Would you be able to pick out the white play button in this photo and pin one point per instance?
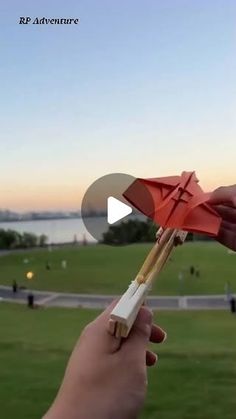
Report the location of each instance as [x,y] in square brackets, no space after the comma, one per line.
[104,206]
[116,210]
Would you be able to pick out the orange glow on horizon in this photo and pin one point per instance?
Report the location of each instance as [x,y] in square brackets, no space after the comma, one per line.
[68,197]
[42,199]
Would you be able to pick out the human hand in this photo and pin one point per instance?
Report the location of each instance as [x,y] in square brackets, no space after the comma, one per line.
[106,377]
[223,201]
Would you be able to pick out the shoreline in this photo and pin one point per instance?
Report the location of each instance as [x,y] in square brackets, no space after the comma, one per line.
[48,247]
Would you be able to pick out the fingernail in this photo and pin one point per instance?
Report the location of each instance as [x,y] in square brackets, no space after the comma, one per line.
[165,336]
[156,363]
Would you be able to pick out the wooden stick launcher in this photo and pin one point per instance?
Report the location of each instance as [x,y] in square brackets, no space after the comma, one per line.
[126,310]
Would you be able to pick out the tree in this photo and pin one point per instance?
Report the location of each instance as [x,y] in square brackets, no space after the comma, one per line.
[29,240]
[42,241]
[131,231]
[9,239]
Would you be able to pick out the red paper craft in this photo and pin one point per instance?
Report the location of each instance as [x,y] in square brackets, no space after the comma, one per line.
[177,202]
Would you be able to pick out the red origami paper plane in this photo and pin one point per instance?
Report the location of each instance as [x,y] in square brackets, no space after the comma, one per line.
[175,202]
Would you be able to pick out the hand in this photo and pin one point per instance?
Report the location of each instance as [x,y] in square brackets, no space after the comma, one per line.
[223,201]
[106,377]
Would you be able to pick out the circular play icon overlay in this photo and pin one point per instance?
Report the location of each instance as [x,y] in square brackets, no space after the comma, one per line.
[104,204]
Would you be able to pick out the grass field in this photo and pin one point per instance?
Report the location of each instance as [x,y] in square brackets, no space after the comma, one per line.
[108,270]
[195,377]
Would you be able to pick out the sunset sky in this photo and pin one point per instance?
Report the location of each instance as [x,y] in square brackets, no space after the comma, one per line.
[141,87]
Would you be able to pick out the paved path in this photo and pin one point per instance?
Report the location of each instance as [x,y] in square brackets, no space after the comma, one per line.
[56,299]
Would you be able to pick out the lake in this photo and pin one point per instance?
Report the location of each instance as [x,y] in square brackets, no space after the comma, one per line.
[57,231]
[65,230]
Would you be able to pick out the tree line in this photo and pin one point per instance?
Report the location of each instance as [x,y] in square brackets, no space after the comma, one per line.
[136,231]
[11,239]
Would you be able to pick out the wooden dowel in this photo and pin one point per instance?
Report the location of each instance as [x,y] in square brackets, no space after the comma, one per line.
[153,255]
[166,251]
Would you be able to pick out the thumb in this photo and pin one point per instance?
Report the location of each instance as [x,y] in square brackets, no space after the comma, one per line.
[136,344]
[224,195]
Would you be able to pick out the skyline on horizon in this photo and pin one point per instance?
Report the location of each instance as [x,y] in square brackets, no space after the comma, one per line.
[137,88]
[34,207]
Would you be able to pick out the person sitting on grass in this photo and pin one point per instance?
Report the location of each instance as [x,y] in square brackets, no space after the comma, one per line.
[106,377]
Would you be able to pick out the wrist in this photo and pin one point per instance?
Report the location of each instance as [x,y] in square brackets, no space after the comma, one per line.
[89,408]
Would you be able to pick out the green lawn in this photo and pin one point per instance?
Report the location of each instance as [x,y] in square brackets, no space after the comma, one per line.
[108,270]
[195,377]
